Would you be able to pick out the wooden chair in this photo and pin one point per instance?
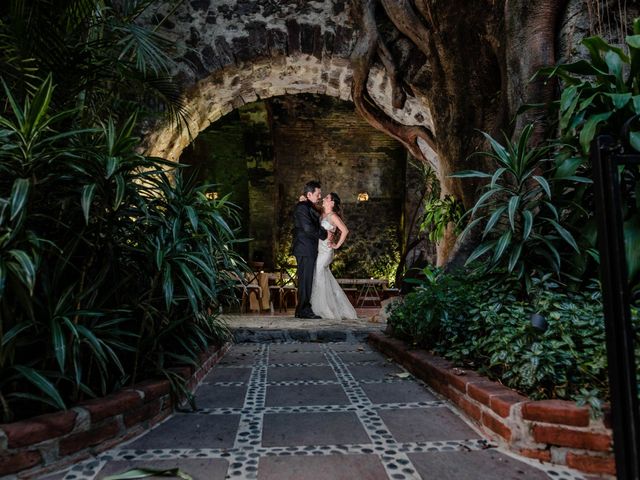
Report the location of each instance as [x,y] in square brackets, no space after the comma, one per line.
[246,288]
[285,288]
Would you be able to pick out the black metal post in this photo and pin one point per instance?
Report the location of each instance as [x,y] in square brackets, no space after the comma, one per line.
[615,289]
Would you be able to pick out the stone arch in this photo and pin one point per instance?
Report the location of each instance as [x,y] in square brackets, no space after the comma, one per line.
[241,51]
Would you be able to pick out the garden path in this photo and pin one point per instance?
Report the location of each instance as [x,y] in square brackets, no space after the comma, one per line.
[321,411]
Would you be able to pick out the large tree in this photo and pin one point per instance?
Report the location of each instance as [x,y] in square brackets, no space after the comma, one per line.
[470,61]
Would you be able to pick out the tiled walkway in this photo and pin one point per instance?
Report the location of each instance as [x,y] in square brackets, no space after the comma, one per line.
[316,411]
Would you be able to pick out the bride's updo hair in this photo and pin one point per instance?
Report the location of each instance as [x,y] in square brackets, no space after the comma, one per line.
[336,203]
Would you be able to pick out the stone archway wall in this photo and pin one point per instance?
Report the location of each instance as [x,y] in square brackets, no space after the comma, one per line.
[238,51]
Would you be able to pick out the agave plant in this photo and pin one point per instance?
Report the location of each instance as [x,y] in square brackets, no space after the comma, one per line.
[523,229]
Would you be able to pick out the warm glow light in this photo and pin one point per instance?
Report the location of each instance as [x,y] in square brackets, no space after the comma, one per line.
[363,197]
[212,195]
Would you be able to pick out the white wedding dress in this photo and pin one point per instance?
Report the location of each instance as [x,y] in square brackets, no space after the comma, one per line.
[327,298]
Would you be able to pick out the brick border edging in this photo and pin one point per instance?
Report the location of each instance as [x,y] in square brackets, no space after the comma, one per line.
[555,431]
[50,442]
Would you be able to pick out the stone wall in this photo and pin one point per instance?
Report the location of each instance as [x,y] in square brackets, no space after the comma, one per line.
[286,141]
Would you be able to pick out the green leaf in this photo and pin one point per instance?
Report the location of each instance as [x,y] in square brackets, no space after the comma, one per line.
[619,100]
[515,256]
[502,245]
[565,234]
[633,41]
[479,251]
[544,184]
[19,196]
[27,266]
[121,188]
[42,384]
[493,219]
[589,130]
[88,191]
[470,174]
[59,345]
[193,217]
[513,205]
[528,224]
[634,140]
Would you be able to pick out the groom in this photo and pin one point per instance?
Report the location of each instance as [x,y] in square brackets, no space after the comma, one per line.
[306,234]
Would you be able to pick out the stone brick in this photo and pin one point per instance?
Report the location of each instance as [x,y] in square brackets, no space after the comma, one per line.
[543,455]
[15,462]
[112,405]
[483,391]
[556,411]
[342,43]
[495,425]
[153,389]
[277,42]
[95,436]
[138,415]
[37,429]
[225,54]
[566,437]
[592,464]
[502,404]
[293,35]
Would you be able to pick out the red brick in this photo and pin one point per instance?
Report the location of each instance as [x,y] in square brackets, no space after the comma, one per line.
[471,409]
[462,381]
[483,391]
[492,423]
[92,437]
[37,429]
[153,389]
[556,411]
[502,404]
[143,413]
[542,455]
[606,415]
[112,405]
[591,464]
[16,462]
[184,372]
[566,437]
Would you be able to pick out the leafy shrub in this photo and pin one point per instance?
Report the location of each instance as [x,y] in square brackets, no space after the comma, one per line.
[523,232]
[478,322]
[111,268]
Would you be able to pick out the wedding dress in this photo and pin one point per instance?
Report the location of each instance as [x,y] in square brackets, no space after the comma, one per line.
[327,298]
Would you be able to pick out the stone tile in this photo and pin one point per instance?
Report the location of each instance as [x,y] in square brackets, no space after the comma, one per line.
[350,347]
[381,371]
[215,396]
[238,358]
[251,348]
[228,374]
[297,357]
[281,396]
[284,374]
[400,392]
[191,431]
[289,429]
[55,476]
[426,425]
[475,465]
[331,467]
[199,469]
[362,357]
[294,347]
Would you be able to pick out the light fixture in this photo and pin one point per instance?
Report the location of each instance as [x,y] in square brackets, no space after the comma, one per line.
[539,322]
[212,195]
[363,197]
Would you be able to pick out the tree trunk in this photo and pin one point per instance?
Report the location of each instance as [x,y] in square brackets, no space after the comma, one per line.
[471,65]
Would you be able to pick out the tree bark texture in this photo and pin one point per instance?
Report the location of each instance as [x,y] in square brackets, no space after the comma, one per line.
[471,63]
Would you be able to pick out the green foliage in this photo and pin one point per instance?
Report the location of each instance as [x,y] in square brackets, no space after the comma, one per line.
[523,231]
[600,94]
[111,268]
[438,214]
[478,322]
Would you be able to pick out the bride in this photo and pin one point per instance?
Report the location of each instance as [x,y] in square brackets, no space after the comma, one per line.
[327,298]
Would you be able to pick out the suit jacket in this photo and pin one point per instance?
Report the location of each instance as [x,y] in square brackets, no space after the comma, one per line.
[307,230]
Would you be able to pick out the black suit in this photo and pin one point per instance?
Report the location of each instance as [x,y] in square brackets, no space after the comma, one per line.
[306,234]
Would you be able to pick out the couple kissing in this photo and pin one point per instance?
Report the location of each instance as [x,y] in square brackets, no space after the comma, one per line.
[317,234]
